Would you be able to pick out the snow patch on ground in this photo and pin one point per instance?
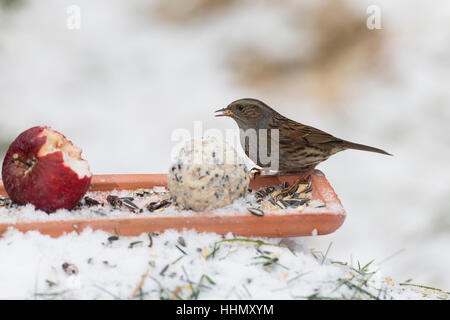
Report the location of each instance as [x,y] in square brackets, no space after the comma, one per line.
[172,268]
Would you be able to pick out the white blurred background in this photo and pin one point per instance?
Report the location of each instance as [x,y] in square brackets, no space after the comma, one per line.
[137,70]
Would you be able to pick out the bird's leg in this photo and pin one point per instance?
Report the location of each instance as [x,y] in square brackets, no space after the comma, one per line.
[254,172]
[308,178]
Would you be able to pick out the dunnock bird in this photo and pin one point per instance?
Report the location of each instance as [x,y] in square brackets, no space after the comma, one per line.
[301,147]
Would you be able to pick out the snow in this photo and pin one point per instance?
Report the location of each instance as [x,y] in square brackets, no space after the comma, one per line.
[31,268]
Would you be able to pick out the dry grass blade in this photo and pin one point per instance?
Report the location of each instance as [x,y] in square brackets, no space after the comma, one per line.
[135,291]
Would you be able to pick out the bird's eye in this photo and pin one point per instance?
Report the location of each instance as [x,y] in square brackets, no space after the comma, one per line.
[240,108]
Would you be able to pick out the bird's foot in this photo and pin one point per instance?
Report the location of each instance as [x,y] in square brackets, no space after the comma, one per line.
[254,172]
[301,185]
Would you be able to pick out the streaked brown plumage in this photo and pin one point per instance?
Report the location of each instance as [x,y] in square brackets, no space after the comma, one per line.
[301,147]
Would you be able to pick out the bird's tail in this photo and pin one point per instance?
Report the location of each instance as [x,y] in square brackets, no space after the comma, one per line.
[357,146]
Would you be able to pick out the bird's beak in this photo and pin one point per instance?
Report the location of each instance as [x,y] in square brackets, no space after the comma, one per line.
[225,113]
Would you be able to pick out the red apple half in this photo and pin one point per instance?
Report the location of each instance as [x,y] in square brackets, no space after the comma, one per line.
[45,169]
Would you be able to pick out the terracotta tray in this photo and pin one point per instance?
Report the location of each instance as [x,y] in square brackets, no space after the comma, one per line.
[292,224]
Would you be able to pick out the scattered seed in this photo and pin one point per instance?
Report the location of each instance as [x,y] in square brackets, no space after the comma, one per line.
[113,238]
[164,270]
[269,190]
[302,188]
[50,283]
[303,195]
[5,202]
[281,204]
[127,198]
[114,201]
[153,206]
[78,206]
[287,197]
[130,204]
[91,202]
[275,193]
[106,263]
[132,244]
[99,212]
[69,268]
[142,192]
[181,241]
[150,238]
[270,262]
[260,194]
[255,211]
[296,202]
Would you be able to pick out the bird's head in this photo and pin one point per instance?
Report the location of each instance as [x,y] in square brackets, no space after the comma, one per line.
[248,113]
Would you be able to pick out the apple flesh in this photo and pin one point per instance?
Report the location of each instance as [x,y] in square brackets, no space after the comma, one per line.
[45,169]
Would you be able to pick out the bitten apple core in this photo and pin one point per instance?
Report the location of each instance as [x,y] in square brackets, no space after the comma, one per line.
[45,169]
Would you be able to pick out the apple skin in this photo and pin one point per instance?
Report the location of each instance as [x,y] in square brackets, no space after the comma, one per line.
[49,185]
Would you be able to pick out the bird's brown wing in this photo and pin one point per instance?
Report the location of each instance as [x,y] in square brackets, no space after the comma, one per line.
[291,131]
